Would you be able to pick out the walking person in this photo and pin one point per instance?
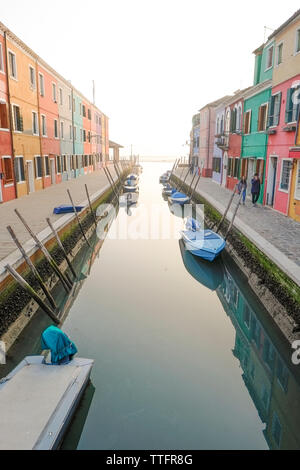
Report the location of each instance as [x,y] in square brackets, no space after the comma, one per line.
[255,189]
[242,187]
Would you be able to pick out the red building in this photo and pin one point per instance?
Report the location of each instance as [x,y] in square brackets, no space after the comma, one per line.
[7,162]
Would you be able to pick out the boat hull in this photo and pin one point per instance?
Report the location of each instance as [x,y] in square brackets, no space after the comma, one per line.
[207,247]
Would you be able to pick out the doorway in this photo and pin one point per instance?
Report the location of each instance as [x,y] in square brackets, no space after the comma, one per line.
[30,176]
[52,170]
[225,164]
[250,171]
[272,172]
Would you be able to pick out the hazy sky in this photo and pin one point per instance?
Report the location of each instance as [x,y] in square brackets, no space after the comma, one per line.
[155,62]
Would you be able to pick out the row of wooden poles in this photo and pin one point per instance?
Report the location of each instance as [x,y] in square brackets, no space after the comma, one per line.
[67,282]
[234,192]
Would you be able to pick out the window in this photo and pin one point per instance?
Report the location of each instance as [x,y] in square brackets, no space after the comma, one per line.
[80,135]
[269,354]
[38,167]
[270,57]
[274,110]
[84,135]
[12,64]
[55,128]
[292,104]
[217,165]
[286,168]
[18,120]
[86,162]
[83,111]
[70,134]
[282,375]
[19,169]
[32,77]
[262,118]
[233,120]
[64,163]
[58,164]
[236,167]
[247,125]
[89,114]
[297,41]
[7,167]
[35,129]
[74,132]
[47,166]
[1,59]
[3,116]
[44,126]
[297,187]
[42,84]
[276,429]
[70,103]
[279,54]
[229,167]
[239,119]
[62,130]
[54,92]
[60,97]
[89,137]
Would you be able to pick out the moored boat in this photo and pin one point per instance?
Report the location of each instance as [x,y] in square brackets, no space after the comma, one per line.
[203,243]
[38,400]
[179,198]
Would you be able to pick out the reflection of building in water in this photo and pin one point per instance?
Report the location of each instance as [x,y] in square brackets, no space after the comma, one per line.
[270,380]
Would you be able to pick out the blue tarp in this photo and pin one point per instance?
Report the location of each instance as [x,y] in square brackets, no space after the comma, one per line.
[66,208]
[60,345]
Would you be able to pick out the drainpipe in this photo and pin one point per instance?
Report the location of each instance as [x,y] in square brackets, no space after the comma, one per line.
[10,114]
[73,140]
[40,123]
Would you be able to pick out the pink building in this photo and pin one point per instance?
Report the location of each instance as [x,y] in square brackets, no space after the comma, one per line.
[207,136]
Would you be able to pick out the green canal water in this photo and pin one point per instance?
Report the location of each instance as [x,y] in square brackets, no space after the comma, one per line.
[185,355]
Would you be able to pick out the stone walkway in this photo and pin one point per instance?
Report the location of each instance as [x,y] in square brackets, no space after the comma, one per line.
[278,231]
[36,207]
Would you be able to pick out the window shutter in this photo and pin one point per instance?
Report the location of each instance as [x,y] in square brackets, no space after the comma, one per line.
[277,117]
[16,168]
[270,121]
[22,172]
[289,106]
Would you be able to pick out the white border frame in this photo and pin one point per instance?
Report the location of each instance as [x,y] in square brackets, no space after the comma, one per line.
[286,191]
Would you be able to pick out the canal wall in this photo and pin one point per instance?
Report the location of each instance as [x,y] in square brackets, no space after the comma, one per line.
[267,276]
[17,308]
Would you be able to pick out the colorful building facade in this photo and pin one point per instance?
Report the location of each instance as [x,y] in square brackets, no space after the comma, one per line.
[49,132]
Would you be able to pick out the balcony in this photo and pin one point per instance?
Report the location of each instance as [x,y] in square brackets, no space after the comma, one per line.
[222,141]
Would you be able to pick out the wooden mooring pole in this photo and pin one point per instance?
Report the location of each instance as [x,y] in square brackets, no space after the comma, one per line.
[66,282]
[33,268]
[226,211]
[91,209]
[77,218]
[193,192]
[62,247]
[24,284]
[112,186]
[234,214]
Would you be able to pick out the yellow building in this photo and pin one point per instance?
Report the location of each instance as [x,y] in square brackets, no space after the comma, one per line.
[22,74]
[294,207]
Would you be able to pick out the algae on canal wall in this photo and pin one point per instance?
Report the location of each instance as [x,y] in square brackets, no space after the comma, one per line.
[277,292]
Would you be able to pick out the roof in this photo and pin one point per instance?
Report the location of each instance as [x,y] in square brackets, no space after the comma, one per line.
[114,145]
[214,104]
[285,24]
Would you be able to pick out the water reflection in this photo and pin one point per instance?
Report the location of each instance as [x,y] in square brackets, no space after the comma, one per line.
[271,379]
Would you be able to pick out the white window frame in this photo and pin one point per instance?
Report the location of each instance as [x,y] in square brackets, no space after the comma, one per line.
[45,175]
[297,196]
[61,96]
[32,85]
[277,54]
[41,89]
[44,127]
[58,157]
[35,165]
[5,128]
[268,67]
[62,130]
[56,136]
[17,157]
[54,92]
[1,59]
[286,191]
[35,115]
[296,41]
[14,54]
[13,117]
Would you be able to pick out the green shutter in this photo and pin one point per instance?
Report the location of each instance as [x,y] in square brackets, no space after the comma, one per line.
[289,105]
[277,117]
[271,112]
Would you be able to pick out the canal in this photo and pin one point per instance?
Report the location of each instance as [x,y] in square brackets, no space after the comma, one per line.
[186,357]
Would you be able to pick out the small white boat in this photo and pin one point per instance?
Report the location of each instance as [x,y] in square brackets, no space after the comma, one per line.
[38,400]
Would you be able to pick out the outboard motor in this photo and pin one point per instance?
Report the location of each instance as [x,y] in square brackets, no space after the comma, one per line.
[61,347]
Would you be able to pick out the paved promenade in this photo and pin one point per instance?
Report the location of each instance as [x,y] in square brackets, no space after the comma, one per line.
[276,235]
[36,207]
